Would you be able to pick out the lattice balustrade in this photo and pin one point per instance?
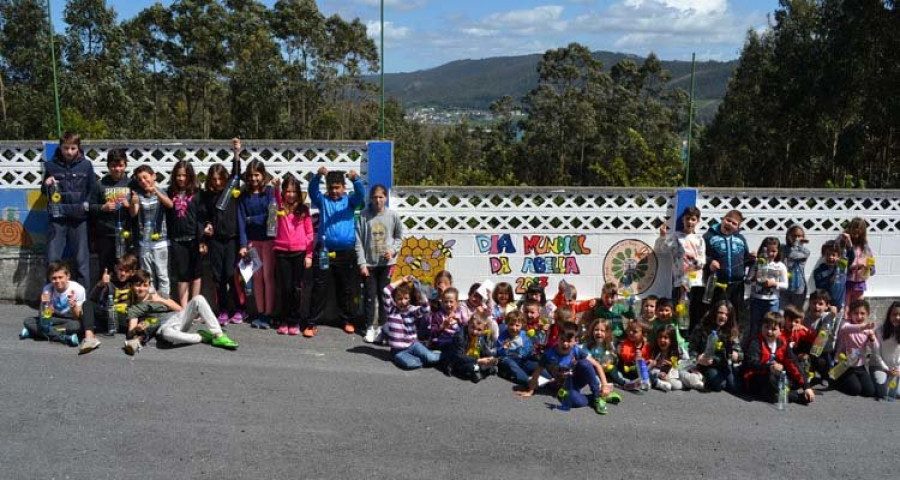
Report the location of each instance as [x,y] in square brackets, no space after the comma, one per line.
[614,210]
[21,163]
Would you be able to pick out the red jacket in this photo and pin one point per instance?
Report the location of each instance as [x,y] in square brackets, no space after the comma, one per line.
[758,356]
[627,352]
[577,307]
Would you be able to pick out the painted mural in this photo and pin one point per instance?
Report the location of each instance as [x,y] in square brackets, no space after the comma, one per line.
[23,221]
[631,262]
[423,257]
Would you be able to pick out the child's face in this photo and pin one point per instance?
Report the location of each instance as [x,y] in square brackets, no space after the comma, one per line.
[401,300]
[771,331]
[796,235]
[69,151]
[476,329]
[894,317]
[502,297]
[117,170]
[599,332]
[721,316]
[123,274]
[648,309]
[635,334]
[141,290]
[859,315]
[832,258]
[532,314]
[256,180]
[475,299]
[146,180]
[442,284]
[730,224]
[820,307]
[535,296]
[609,299]
[216,183]
[181,178]
[378,200]
[665,312]
[449,302]
[771,251]
[663,342]
[795,322]
[290,195]
[336,190]
[689,222]
[565,345]
[60,280]
[514,328]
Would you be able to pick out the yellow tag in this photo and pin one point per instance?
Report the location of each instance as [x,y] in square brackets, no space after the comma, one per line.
[56,197]
[126,234]
[693,275]
[235,193]
[155,236]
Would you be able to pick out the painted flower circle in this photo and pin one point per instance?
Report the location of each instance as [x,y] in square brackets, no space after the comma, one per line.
[631,260]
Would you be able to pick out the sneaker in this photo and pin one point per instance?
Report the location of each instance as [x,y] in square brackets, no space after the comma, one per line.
[205,336]
[88,345]
[349,328]
[70,340]
[600,406]
[132,346]
[664,386]
[282,330]
[380,338]
[294,330]
[370,335]
[238,318]
[223,319]
[613,398]
[488,371]
[222,341]
[24,334]
[310,331]
[633,385]
[261,322]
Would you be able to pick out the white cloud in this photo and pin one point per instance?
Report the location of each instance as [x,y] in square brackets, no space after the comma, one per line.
[523,23]
[392,32]
[402,5]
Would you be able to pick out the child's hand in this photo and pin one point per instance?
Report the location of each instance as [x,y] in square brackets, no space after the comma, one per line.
[663,229]
[236,144]
[363,271]
[714,265]
[411,278]
[734,357]
[777,367]
[276,182]
[50,181]
[663,376]
[810,395]
[606,389]
[525,392]
[322,171]
[208,230]
[352,175]
[388,254]
[109,206]
[307,262]
[592,302]
[105,277]
[123,201]
[895,372]
[72,303]
[704,360]
[45,297]
[203,249]
[242,252]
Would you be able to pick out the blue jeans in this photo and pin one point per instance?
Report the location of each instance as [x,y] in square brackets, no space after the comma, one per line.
[584,374]
[517,370]
[758,309]
[72,235]
[719,378]
[416,356]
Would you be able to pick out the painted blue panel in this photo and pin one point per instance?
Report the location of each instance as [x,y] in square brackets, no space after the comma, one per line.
[381,164]
[684,198]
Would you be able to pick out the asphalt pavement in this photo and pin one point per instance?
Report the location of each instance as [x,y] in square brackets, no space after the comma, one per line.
[334,407]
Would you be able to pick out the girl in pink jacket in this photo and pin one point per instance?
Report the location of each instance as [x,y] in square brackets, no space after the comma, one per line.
[293,247]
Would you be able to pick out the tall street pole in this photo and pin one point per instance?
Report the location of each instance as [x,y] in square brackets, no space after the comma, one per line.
[382,69]
[55,87]
[687,173]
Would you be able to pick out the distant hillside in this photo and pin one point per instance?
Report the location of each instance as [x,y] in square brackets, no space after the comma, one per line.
[474,84]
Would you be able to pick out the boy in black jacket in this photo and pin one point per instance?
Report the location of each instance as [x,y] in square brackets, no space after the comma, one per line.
[109,210]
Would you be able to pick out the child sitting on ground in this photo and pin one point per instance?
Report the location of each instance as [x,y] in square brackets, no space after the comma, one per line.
[567,296]
[767,357]
[635,342]
[609,309]
[470,355]
[403,318]
[572,368]
[664,366]
[665,318]
[61,309]
[536,326]
[447,321]
[514,349]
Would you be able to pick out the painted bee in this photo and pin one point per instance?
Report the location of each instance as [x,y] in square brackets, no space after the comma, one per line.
[444,249]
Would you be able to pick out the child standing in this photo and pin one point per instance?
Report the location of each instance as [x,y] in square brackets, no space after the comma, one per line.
[293,251]
[856,334]
[109,209]
[727,255]
[717,368]
[61,306]
[795,255]
[69,184]
[253,214]
[768,278]
[886,367]
[184,228]
[514,349]
[572,368]
[337,236]
[379,236]
[147,204]
[220,235]
[831,274]
[401,325]
[861,263]
[688,250]
[767,357]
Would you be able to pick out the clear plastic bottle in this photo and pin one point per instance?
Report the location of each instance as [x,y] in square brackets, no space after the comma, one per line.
[111,323]
[711,342]
[643,371]
[228,193]
[323,255]
[782,391]
[710,289]
[272,219]
[147,232]
[54,197]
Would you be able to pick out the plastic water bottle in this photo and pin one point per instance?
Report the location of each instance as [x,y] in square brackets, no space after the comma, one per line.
[227,194]
[822,336]
[147,233]
[120,233]
[681,312]
[782,391]
[323,255]
[711,342]
[54,197]
[643,371]
[893,387]
[710,289]
[111,323]
[565,396]
[44,322]
[272,219]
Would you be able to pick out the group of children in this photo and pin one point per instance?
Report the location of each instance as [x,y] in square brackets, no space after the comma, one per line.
[691,340]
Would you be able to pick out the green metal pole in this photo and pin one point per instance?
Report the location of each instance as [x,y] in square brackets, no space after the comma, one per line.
[55,86]
[382,69]
[687,173]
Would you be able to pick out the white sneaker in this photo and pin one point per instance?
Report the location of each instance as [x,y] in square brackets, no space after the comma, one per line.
[88,345]
[663,385]
[380,338]
[370,335]
[133,346]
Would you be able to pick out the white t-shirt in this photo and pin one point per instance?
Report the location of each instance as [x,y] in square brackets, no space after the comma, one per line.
[59,301]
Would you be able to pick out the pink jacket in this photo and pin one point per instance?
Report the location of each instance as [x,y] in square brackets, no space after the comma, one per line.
[295,232]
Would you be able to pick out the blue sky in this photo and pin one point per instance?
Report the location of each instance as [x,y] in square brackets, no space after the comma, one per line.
[421,34]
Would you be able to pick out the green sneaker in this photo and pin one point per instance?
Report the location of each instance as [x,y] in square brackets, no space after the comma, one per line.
[205,336]
[223,341]
[613,398]
[600,406]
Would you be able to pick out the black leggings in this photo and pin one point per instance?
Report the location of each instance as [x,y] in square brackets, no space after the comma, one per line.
[856,382]
[289,269]
[222,259]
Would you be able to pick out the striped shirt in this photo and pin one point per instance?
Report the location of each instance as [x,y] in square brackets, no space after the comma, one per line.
[401,326]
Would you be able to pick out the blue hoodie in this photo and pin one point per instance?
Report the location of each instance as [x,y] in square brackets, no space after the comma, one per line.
[731,251]
[337,221]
